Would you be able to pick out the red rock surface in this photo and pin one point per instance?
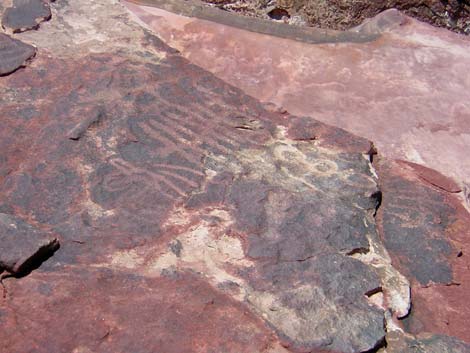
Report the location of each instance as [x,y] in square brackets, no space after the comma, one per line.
[193,218]
[426,230]
[22,247]
[407,91]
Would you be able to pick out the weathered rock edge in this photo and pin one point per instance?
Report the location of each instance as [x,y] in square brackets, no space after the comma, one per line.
[13,54]
[303,34]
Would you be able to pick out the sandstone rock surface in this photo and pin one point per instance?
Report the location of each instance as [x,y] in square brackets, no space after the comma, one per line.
[407,91]
[22,247]
[194,218]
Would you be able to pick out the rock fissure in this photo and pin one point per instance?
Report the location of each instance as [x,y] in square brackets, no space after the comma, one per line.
[395,286]
[23,248]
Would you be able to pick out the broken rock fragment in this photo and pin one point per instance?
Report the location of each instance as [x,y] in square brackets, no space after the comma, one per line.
[23,247]
[13,54]
[25,15]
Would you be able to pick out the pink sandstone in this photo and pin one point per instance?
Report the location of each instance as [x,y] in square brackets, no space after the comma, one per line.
[408,91]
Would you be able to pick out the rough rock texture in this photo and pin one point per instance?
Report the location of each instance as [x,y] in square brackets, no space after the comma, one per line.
[399,343]
[426,231]
[407,91]
[173,192]
[13,54]
[414,220]
[22,247]
[191,217]
[344,14]
[25,15]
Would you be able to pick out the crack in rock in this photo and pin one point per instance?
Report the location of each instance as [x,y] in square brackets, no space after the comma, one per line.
[23,248]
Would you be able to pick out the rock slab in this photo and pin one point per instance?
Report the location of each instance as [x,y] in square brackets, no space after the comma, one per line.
[191,216]
[22,247]
[13,54]
[25,15]
[405,89]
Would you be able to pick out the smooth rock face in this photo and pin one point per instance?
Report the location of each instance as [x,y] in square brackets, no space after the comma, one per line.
[191,217]
[13,54]
[22,247]
[407,91]
[25,15]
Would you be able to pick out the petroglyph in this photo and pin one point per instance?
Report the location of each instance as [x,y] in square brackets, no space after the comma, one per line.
[240,248]
[190,218]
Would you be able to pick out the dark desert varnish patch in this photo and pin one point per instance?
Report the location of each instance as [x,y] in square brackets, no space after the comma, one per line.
[13,54]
